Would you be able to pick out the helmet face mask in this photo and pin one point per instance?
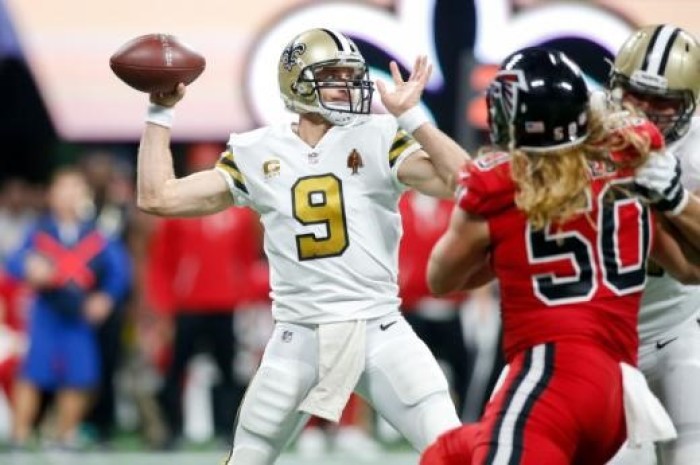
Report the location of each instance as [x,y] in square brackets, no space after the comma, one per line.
[502,98]
[497,118]
[349,81]
[669,111]
[322,71]
[658,70]
[538,102]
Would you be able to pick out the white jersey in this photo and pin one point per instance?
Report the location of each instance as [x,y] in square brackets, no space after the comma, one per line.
[667,303]
[330,213]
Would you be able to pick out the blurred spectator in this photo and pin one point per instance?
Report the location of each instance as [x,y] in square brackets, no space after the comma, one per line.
[78,275]
[17,213]
[481,323]
[110,179]
[12,342]
[200,272]
[435,320]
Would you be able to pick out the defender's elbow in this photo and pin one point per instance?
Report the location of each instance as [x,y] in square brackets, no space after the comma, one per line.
[438,288]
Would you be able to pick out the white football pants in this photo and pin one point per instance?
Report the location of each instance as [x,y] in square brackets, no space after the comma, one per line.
[402,381]
[671,365]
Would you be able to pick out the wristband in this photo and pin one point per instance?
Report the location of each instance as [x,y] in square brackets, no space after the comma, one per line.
[412,119]
[160,115]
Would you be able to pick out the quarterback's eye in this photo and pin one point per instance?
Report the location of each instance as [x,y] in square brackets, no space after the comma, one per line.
[335,74]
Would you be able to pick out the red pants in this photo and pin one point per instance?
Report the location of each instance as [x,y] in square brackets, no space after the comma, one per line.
[560,404]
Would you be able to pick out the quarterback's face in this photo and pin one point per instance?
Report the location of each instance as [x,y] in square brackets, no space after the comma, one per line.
[333,85]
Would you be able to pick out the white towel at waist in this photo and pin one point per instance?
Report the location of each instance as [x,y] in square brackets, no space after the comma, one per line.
[341,361]
[646,418]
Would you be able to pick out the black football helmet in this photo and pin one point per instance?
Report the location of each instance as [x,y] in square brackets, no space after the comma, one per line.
[538,102]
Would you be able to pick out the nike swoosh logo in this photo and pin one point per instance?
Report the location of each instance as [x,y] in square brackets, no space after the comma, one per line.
[661,345]
[387,326]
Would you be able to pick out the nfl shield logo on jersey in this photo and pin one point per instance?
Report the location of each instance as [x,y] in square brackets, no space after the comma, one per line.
[313,158]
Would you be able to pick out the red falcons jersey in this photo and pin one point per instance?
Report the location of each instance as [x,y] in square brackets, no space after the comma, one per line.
[204,264]
[579,280]
[424,220]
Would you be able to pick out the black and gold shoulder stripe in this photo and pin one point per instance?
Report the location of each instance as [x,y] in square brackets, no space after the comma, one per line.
[401,141]
[227,163]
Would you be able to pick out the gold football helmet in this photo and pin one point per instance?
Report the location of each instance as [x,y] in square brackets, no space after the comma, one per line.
[301,84]
[661,64]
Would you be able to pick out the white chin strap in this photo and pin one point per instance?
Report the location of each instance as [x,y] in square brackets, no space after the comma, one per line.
[338,113]
[336,118]
[339,118]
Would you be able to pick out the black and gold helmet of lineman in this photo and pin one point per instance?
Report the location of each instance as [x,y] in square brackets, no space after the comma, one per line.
[301,77]
[658,70]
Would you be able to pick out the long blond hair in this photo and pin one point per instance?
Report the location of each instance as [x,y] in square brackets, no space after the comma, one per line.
[553,186]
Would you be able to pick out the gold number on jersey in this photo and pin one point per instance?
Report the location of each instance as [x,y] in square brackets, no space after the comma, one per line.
[318,200]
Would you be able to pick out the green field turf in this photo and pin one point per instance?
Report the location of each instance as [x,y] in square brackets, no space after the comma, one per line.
[189,458]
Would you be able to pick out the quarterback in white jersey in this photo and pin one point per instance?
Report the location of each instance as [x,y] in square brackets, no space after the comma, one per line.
[329,212]
[657,70]
[327,190]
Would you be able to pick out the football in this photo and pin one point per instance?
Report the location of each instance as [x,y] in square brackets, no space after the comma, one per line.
[156,63]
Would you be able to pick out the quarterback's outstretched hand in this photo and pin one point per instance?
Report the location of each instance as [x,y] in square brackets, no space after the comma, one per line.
[406,94]
[659,179]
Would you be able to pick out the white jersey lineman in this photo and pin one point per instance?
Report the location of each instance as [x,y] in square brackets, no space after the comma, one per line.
[332,231]
[667,304]
[669,332]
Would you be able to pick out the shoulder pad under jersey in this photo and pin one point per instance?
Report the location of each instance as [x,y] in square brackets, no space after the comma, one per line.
[485,185]
[648,129]
[248,138]
[643,128]
[685,149]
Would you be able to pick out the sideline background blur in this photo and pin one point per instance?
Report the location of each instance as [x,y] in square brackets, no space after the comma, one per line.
[60,100]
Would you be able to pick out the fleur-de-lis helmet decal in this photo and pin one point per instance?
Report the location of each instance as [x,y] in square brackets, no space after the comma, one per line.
[290,55]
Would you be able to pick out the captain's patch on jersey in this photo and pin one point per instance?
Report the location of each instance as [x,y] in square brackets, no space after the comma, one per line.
[271,168]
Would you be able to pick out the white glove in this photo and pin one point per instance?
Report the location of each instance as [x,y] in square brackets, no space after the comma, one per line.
[599,102]
[659,180]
